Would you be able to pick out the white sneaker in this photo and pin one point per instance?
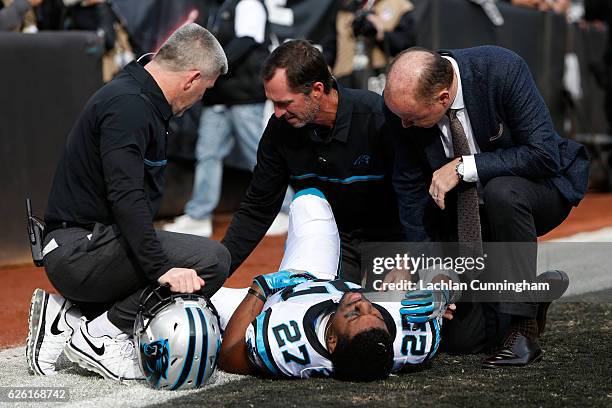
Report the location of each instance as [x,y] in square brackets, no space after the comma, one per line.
[279,226]
[114,358]
[187,225]
[51,322]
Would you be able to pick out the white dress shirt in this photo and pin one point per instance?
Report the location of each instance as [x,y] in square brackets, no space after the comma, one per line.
[250,20]
[470,173]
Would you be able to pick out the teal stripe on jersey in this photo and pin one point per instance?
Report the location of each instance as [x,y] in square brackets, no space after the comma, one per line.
[261,340]
[155,163]
[348,180]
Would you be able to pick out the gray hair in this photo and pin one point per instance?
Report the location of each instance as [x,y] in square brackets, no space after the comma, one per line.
[192,47]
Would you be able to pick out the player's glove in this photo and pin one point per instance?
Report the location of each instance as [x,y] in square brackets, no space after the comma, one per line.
[424,305]
[277,281]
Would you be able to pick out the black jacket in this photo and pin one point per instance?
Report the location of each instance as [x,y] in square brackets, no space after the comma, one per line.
[245,57]
[351,164]
[112,167]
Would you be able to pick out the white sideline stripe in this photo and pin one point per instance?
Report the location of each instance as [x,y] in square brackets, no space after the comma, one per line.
[584,256]
[602,235]
[87,390]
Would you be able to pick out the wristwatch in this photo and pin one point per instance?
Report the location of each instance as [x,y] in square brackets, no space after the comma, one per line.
[459,169]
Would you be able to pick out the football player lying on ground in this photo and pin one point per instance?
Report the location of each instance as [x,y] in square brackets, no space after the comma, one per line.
[302,321]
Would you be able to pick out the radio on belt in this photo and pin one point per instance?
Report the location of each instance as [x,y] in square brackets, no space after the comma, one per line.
[36,229]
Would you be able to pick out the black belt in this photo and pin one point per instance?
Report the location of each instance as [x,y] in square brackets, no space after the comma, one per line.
[55,225]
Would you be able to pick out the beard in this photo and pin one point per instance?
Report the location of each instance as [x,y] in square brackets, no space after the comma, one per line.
[311,110]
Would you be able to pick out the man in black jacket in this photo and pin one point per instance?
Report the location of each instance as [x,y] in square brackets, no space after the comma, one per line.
[100,247]
[321,136]
[233,112]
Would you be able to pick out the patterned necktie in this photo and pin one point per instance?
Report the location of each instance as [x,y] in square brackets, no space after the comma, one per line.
[468,216]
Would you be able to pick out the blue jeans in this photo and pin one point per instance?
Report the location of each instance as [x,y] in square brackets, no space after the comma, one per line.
[220,127]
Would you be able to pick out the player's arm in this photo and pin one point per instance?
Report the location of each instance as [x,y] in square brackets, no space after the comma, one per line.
[234,354]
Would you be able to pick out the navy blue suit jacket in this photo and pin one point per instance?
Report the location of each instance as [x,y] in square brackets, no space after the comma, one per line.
[512,127]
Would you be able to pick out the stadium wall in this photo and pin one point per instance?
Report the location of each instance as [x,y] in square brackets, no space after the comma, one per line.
[45,79]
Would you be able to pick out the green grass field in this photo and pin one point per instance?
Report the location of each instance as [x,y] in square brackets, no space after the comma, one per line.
[576,371]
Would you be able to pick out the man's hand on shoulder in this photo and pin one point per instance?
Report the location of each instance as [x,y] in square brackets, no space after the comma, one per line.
[444,180]
[182,280]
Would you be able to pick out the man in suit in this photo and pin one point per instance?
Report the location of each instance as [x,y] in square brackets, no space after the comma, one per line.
[482,162]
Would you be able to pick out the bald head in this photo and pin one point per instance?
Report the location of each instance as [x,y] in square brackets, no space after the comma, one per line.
[418,74]
[420,87]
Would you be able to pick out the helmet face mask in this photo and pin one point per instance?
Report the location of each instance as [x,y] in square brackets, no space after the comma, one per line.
[178,339]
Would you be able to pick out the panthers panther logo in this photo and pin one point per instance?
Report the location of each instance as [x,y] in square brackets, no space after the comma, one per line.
[156,359]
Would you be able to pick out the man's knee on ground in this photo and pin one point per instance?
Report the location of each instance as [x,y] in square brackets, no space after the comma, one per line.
[466,333]
[502,194]
[461,345]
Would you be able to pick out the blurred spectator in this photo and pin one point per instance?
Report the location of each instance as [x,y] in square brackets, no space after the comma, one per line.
[575,11]
[91,15]
[98,16]
[50,15]
[557,6]
[365,36]
[233,112]
[13,12]
[599,14]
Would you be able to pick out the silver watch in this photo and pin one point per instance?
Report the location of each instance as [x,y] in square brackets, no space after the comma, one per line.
[459,169]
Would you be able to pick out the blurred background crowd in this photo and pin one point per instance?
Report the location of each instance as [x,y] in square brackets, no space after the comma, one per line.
[358,38]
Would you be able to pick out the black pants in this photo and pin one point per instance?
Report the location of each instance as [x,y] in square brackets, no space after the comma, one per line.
[515,210]
[99,273]
[351,251]
[350,258]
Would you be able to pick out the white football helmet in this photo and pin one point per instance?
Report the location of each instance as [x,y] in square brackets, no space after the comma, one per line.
[178,338]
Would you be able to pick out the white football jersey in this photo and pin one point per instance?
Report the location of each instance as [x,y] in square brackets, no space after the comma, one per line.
[287,338]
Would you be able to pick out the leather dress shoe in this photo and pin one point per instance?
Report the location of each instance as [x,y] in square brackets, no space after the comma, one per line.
[517,351]
[558,282]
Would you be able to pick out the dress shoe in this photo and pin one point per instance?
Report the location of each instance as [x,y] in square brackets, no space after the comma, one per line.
[517,351]
[558,282]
